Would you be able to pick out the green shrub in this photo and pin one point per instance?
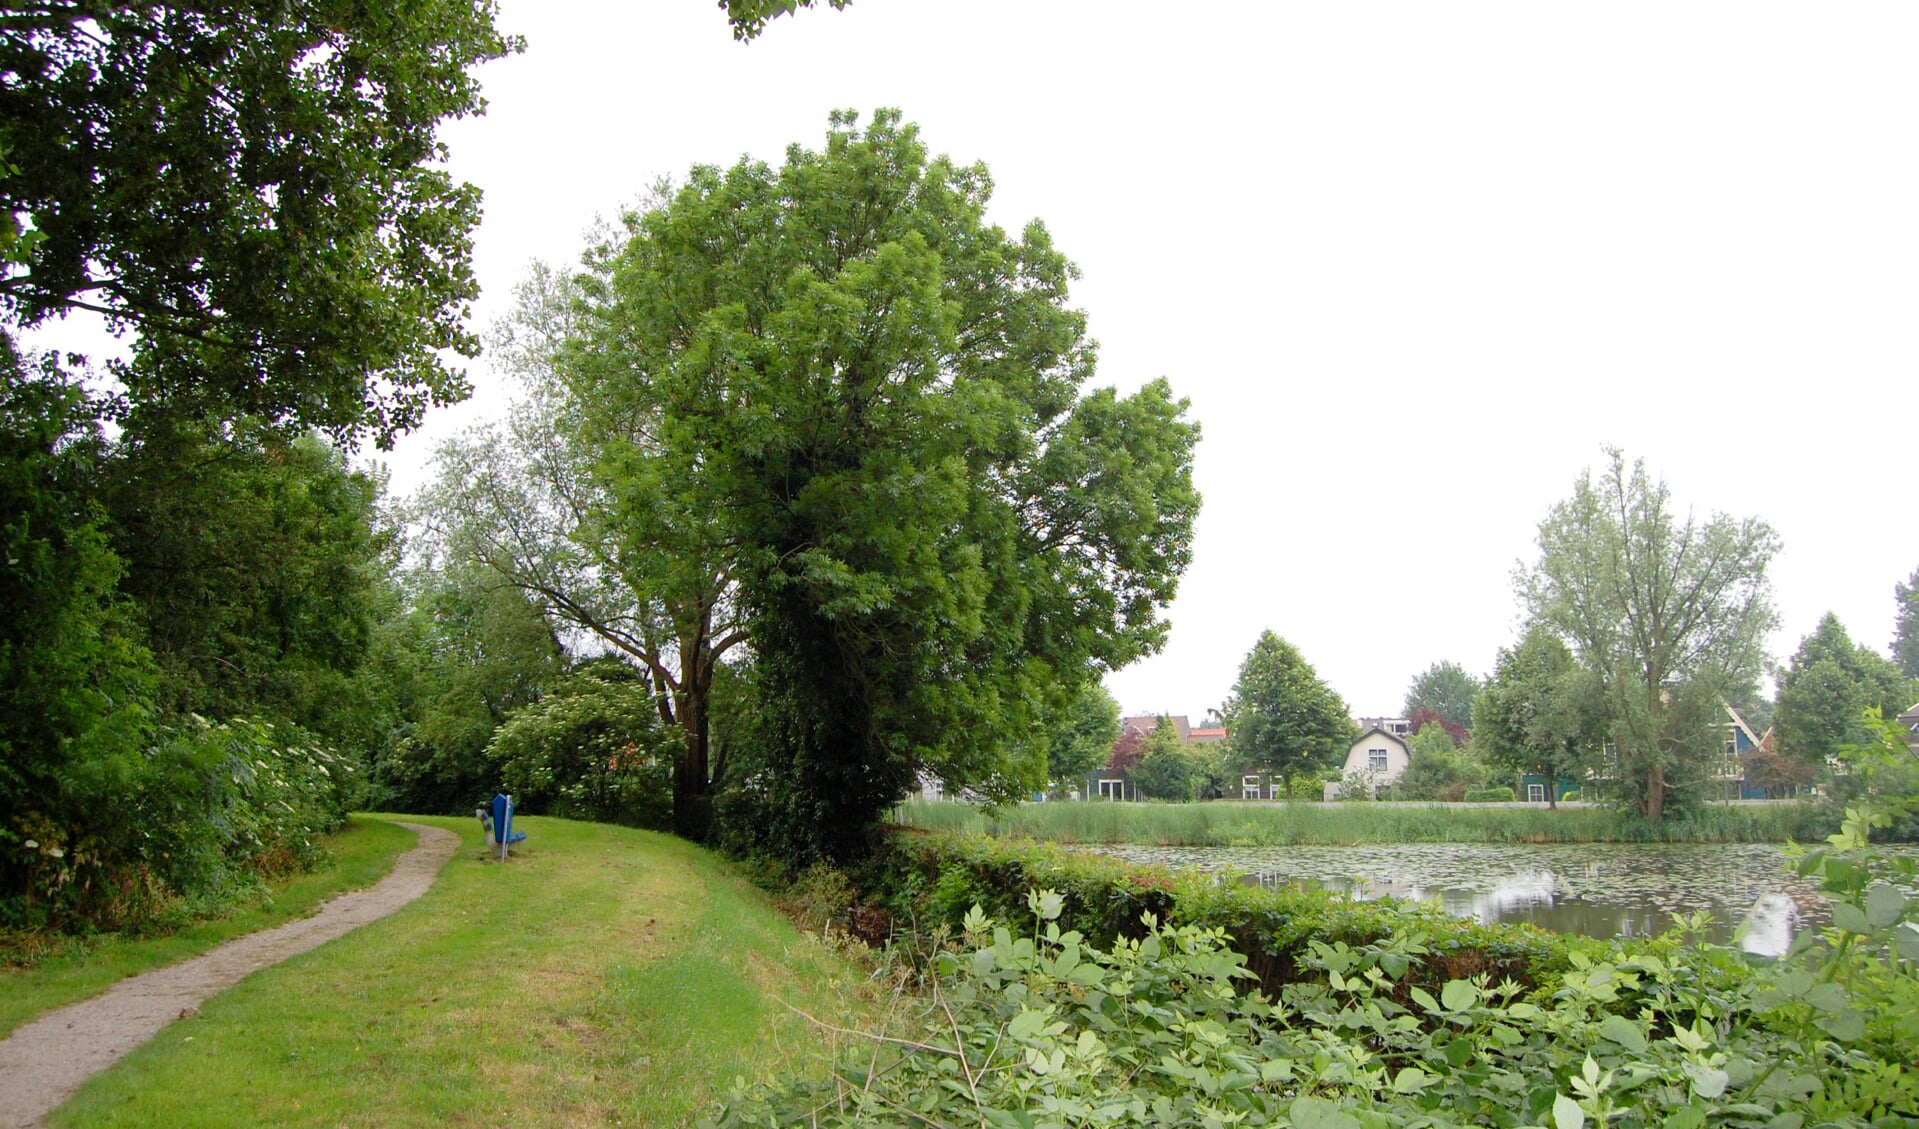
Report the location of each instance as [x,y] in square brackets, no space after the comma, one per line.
[1032,1023]
[185,828]
[1499,795]
[593,748]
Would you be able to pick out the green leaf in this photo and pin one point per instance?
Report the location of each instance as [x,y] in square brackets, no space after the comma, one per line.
[1829,998]
[1625,1032]
[1458,995]
[1567,1114]
[1884,906]
[1411,1081]
[1459,1052]
[1847,1026]
[1026,1024]
[1686,1117]
[1906,940]
[1312,1113]
[1850,918]
[1424,999]
[1707,1081]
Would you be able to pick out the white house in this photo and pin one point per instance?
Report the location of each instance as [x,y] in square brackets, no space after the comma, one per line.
[1380,754]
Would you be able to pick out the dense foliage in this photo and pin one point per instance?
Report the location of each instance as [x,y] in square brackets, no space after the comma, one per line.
[592,748]
[1065,1011]
[253,195]
[1281,717]
[1905,636]
[869,408]
[1446,690]
[1826,690]
[1540,713]
[255,191]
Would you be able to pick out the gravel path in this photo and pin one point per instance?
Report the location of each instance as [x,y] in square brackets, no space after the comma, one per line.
[43,1062]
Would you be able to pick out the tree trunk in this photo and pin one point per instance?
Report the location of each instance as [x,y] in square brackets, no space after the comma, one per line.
[692,783]
[1653,804]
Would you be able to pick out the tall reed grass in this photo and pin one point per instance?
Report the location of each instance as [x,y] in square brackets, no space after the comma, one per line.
[1286,824]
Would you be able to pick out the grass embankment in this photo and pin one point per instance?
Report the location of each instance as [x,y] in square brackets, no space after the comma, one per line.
[604,976]
[1282,824]
[37,974]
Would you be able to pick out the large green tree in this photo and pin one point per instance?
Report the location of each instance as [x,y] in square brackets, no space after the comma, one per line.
[1081,738]
[1669,615]
[255,559]
[1825,691]
[876,400]
[1905,633]
[255,191]
[571,502]
[1540,712]
[1447,690]
[1281,716]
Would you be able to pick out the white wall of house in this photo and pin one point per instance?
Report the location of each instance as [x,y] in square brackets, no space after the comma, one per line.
[1380,755]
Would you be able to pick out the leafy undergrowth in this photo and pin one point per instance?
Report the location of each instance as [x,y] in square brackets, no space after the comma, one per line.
[44,970]
[603,976]
[1045,1031]
[1027,1024]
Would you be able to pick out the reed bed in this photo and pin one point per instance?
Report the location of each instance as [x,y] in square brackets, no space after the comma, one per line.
[1278,824]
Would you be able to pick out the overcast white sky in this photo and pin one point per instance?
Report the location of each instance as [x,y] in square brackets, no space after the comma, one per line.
[1414,264]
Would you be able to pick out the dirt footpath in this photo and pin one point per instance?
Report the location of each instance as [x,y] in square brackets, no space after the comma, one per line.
[43,1062]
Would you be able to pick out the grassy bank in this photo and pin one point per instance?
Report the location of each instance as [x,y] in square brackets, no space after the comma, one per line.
[1282,824]
[39,972]
[604,976]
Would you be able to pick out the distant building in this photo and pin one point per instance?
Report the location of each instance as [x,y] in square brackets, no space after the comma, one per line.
[1380,755]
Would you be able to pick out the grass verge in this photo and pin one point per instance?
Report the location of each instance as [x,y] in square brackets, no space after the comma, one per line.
[603,976]
[78,969]
[1283,824]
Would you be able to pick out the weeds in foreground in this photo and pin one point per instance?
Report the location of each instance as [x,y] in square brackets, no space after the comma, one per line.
[1031,1026]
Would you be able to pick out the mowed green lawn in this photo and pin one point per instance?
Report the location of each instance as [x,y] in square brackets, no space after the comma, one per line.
[602,976]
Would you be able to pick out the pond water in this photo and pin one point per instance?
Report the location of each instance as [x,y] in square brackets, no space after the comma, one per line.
[1596,889]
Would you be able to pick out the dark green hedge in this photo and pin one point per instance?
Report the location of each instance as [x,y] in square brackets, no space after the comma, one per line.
[923,880]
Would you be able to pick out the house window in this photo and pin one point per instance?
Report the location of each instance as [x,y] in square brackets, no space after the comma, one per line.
[1375,760]
[1111,789]
[1249,788]
[1536,793]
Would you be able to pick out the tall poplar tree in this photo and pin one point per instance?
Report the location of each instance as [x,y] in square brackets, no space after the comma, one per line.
[1669,615]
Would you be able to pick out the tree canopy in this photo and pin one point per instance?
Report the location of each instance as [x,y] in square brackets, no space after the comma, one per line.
[1825,691]
[1281,717]
[1082,738]
[1447,690]
[1905,634]
[1670,616]
[875,402]
[255,190]
[1540,712]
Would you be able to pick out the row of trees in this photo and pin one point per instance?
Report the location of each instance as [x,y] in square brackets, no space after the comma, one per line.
[1641,627]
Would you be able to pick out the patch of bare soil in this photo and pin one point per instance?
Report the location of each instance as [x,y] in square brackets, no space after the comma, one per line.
[43,1062]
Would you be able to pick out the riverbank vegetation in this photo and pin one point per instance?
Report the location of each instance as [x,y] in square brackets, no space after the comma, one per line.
[1071,991]
[1278,824]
